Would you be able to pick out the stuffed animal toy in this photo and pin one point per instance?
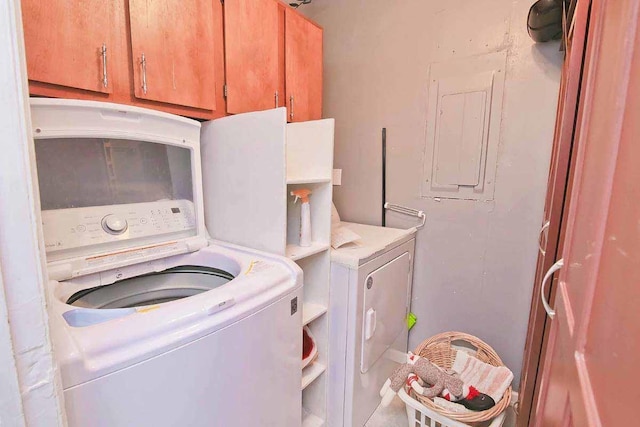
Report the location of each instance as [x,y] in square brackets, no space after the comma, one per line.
[442,383]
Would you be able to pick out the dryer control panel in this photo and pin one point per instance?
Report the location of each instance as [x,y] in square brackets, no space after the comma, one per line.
[67,229]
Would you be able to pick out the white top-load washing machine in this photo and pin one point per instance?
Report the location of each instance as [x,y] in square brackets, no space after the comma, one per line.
[370,299]
[152,324]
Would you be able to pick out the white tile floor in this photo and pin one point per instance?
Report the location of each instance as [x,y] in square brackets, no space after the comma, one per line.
[395,415]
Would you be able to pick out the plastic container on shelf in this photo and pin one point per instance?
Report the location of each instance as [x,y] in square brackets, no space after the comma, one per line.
[305,215]
[309,347]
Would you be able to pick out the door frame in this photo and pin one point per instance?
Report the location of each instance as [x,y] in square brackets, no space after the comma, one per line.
[31,386]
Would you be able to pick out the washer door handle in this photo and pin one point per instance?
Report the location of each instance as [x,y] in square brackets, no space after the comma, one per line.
[220,306]
[555,267]
[370,323]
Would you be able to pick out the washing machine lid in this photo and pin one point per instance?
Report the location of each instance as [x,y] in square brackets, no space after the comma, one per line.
[373,242]
[153,288]
[119,185]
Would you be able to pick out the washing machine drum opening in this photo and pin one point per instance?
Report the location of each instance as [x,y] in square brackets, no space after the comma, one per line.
[154,288]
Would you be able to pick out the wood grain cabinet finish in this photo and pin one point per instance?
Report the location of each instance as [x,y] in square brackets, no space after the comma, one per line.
[251,54]
[70,43]
[173,53]
[169,55]
[182,42]
[303,68]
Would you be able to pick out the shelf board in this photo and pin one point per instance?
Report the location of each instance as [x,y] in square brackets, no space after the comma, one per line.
[311,312]
[310,420]
[311,373]
[296,252]
[309,180]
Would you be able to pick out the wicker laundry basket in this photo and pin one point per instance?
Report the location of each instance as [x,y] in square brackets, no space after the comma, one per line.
[438,349]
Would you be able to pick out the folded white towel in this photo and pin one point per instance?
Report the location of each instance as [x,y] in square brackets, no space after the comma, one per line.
[488,379]
[450,406]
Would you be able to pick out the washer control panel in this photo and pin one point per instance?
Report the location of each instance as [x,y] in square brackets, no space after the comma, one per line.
[66,229]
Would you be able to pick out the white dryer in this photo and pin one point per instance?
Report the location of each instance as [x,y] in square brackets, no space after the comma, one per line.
[370,299]
[152,324]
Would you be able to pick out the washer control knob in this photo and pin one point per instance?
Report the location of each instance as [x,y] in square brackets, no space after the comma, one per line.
[113,224]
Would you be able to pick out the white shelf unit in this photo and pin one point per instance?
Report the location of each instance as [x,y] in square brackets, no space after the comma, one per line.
[307,180]
[251,163]
[296,252]
[311,373]
[311,312]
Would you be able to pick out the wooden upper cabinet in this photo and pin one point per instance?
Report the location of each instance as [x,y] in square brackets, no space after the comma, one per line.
[251,53]
[70,43]
[303,68]
[173,51]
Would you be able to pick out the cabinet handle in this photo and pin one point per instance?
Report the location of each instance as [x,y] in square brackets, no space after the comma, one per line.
[545,228]
[143,63]
[555,267]
[291,105]
[105,78]
[277,98]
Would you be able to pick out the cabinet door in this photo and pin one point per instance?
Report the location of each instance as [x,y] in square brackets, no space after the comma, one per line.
[593,343]
[70,43]
[173,51]
[251,52]
[303,68]
[551,238]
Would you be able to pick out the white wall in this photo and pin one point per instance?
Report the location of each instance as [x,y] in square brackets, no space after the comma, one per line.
[475,261]
[11,411]
[30,392]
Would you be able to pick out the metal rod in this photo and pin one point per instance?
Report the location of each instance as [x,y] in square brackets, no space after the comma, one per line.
[291,107]
[143,63]
[384,176]
[407,211]
[105,78]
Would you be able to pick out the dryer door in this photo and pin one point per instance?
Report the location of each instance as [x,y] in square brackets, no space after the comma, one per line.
[384,309]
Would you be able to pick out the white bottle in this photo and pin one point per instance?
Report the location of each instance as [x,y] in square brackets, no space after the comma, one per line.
[305,215]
